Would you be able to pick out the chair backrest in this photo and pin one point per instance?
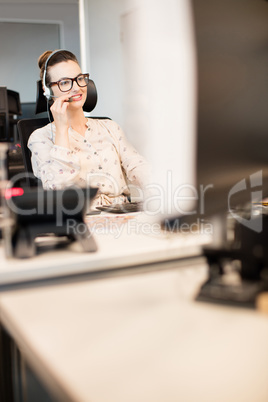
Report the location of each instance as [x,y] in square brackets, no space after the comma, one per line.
[42,105]
[25,129]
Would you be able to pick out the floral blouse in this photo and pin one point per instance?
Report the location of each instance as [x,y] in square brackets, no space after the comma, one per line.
[102,158]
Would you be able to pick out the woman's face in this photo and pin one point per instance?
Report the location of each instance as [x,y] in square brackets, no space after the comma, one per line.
[68,69]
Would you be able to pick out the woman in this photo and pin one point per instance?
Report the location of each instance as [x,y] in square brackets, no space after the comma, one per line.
[75,150]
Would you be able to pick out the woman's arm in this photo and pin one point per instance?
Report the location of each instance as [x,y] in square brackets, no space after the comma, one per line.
[59,112]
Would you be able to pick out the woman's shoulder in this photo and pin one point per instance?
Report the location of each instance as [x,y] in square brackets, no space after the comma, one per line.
[43,131]
[41,134]
[110,125]
[103,121]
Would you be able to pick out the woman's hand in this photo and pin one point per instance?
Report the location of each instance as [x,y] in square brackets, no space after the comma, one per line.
[59,112]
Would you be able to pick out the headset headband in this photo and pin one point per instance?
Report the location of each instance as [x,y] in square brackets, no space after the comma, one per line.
[47,90]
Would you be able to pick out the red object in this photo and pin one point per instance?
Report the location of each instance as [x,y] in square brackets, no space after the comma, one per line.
[13,192]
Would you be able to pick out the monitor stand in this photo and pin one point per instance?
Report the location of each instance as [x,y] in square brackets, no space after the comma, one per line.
[238,273]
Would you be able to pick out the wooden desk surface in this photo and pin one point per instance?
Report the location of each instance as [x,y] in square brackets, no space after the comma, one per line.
[139,338]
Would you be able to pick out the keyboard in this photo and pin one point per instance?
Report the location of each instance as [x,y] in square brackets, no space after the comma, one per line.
[121,208]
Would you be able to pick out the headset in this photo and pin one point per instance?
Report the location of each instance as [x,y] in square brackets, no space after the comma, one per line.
[47,90]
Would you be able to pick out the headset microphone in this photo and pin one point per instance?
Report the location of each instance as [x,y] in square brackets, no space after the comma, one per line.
[67,100]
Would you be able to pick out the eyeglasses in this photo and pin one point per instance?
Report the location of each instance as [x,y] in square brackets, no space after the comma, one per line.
[66,84]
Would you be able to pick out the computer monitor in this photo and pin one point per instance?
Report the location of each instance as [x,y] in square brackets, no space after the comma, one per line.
[231,41]
[232,98]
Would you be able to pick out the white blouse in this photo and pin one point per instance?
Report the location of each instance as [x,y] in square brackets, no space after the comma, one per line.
[102,158]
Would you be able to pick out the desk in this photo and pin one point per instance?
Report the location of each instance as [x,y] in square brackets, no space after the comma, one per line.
[125,243]
[139,338]
[137,241]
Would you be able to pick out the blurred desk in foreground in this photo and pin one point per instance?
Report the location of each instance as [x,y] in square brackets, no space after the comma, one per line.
[123,241]
[139,338]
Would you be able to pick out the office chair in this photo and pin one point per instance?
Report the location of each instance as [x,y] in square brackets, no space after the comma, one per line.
[25,129]
[10,108]
[27,126]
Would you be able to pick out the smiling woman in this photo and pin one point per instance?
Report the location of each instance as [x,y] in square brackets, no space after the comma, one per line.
[76,150]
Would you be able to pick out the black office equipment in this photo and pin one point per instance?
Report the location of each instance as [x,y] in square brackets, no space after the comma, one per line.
[231,39]
[10,109]
[34,212]
[15,165]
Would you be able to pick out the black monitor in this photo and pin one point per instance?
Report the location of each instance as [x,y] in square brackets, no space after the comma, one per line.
[232,121]
[231,45]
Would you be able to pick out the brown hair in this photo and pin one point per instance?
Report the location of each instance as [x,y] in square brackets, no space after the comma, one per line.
[58,57]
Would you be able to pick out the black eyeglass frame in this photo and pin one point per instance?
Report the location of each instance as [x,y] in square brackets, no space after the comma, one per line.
[86,75]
